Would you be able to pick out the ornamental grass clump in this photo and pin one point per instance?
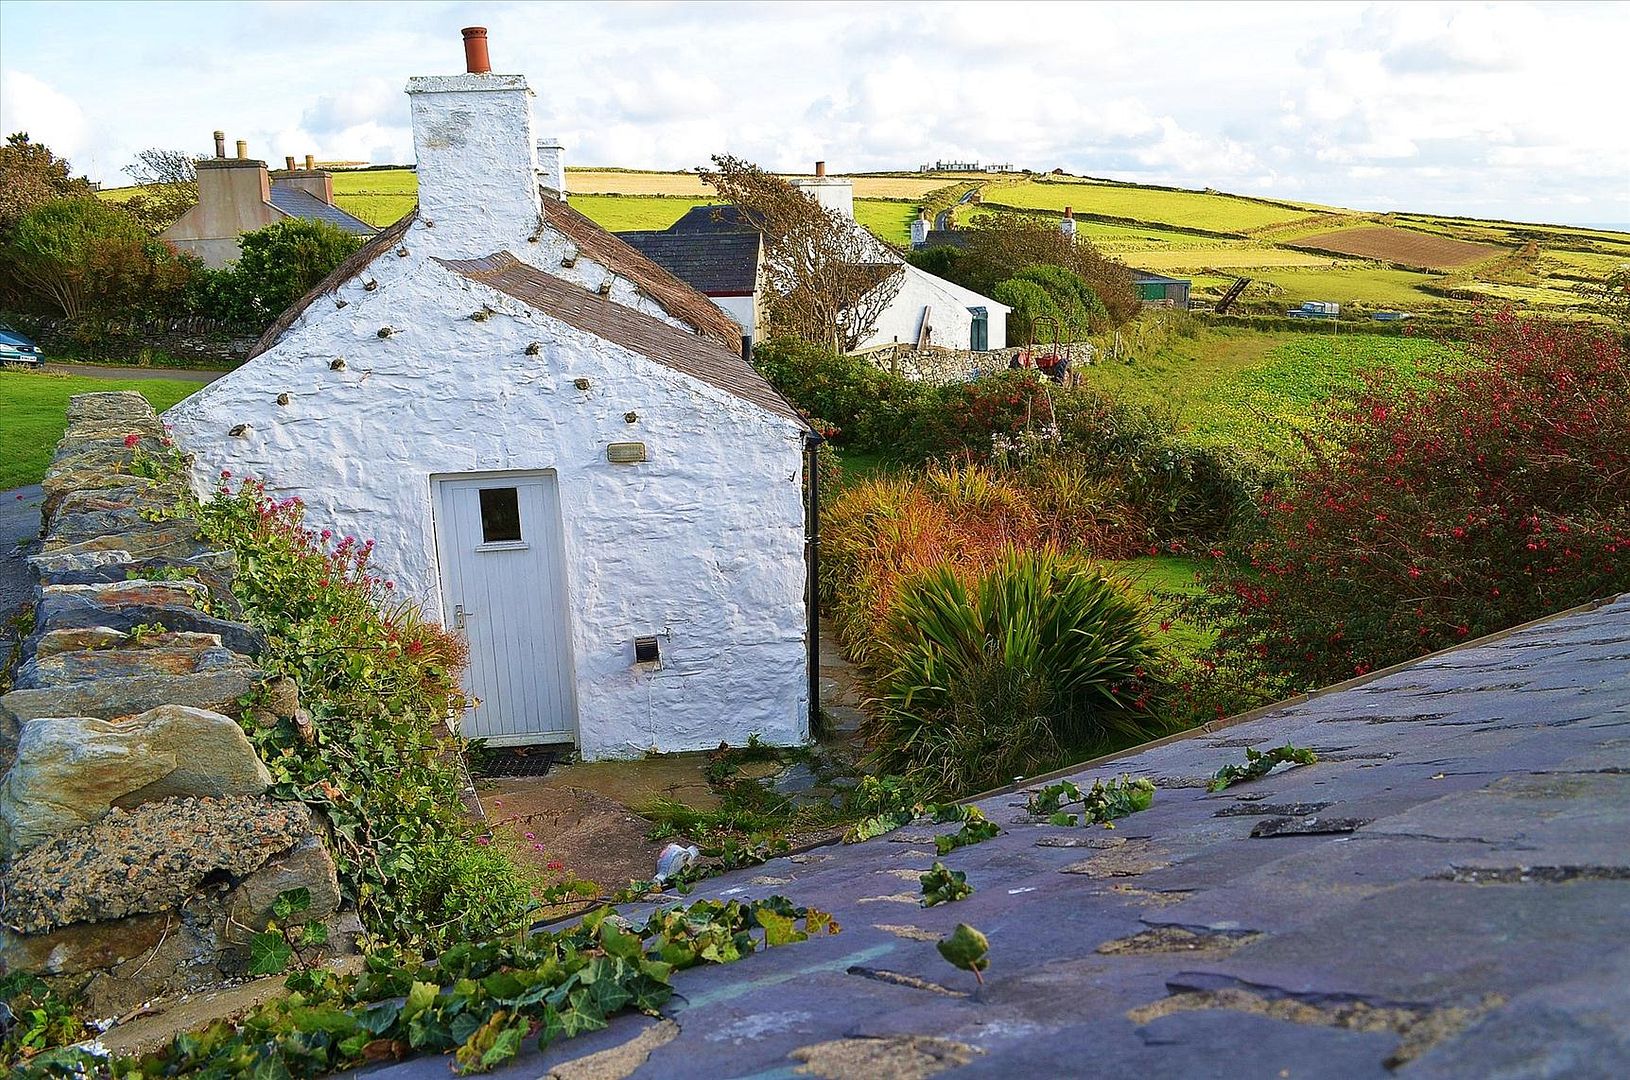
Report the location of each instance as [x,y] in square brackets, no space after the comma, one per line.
[375,756]
[1040,659]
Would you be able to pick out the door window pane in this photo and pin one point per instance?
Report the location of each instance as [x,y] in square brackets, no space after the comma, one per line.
[500,515]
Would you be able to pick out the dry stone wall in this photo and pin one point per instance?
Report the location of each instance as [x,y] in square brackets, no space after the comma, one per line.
[139,845]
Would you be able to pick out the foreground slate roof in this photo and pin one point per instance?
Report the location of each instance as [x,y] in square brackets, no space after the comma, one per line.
[1446,893]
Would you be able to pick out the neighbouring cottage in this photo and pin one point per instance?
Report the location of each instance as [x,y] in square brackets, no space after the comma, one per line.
[555,446]
[237,195]
[717,250]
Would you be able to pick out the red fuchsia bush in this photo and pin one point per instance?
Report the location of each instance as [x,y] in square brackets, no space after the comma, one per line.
[375,756]
[1484,497]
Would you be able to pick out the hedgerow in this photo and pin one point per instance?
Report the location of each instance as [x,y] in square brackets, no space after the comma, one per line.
[1437,509]
[375,756]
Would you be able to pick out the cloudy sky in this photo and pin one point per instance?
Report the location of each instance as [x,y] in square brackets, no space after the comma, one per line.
[1505,110]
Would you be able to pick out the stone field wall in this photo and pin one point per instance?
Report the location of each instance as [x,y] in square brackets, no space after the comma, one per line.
[139,845]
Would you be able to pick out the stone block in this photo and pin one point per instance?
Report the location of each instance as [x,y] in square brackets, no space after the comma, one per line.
[182,653]
[167,539]
[109,405]
[146,860]
[123,605]
[70,772]
[308,866]
[109,699]
[81,947]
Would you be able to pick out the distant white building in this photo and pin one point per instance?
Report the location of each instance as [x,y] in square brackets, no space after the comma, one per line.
[707,248]
[555,445]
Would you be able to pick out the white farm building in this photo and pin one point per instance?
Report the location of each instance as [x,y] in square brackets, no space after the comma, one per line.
[717,250]
[555,445]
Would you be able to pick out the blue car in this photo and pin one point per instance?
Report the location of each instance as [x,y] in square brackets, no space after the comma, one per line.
[17,349]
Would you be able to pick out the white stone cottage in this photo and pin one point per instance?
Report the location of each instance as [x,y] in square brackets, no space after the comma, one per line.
[716,249]
[555,445]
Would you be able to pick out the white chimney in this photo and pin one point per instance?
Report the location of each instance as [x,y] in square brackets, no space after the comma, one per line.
[552,166]
[477,161]
[832,192]
[1066,224]
[919,229]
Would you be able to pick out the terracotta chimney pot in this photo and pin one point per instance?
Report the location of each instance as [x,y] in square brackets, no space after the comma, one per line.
[220,144]
[475,51]
[1069,213]
[288,162]
[311,161]
[820,168]
[243,150]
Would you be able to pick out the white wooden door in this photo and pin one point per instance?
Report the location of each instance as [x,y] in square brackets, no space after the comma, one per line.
[503,583]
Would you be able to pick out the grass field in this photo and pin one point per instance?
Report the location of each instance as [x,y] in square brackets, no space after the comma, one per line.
[1458,259]
[1254,390]
[35,407]
[1192,209]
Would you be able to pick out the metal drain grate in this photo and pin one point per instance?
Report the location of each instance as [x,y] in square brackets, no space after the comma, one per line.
[517,761]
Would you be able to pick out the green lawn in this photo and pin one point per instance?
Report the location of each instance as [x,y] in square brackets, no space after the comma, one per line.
[34,409]
[1254,390]
[1161,581]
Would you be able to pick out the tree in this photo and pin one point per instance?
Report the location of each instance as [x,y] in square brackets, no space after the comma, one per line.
[1045,291]
[169,187]
[278,265]
[30,174]
[829,280]
[88,260]
[1004,244]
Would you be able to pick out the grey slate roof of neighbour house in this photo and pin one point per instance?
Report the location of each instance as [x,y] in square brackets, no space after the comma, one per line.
[717,218]
[713,263]
[1446,893]
[693,354]
[302,204]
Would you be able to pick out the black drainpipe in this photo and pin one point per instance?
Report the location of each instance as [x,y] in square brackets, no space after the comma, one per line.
[812,550]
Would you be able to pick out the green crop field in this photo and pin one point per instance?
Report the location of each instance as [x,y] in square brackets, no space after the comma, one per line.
[1191,209]
[35,407]
[1254,390]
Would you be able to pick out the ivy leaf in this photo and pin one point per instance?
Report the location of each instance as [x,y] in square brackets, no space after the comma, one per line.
[942,885]
[620,943]
[380,1018]
[419,998]
[966,948]
[314,933]
[291,902]
[268,953]
[780,929]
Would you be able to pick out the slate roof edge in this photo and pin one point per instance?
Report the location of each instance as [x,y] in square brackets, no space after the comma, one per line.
[1208,728]
[1211,727]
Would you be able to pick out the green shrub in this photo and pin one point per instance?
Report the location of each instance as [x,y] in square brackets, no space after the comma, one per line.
[279,264]
[1439,508]
[376,758]
[1045,291]
[1042,657]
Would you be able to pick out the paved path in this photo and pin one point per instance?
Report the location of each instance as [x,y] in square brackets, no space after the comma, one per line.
[1445,894]
[19,527]
[116,371]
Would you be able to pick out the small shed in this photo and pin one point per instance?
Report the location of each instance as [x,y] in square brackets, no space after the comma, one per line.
[1156,290]
[556,447]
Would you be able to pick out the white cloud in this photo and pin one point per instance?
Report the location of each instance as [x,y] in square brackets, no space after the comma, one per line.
[30,104]
[1493,108]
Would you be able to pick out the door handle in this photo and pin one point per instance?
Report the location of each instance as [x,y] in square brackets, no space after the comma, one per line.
[459,615]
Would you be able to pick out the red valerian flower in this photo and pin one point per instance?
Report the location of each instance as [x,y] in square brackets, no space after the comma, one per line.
[132,439]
